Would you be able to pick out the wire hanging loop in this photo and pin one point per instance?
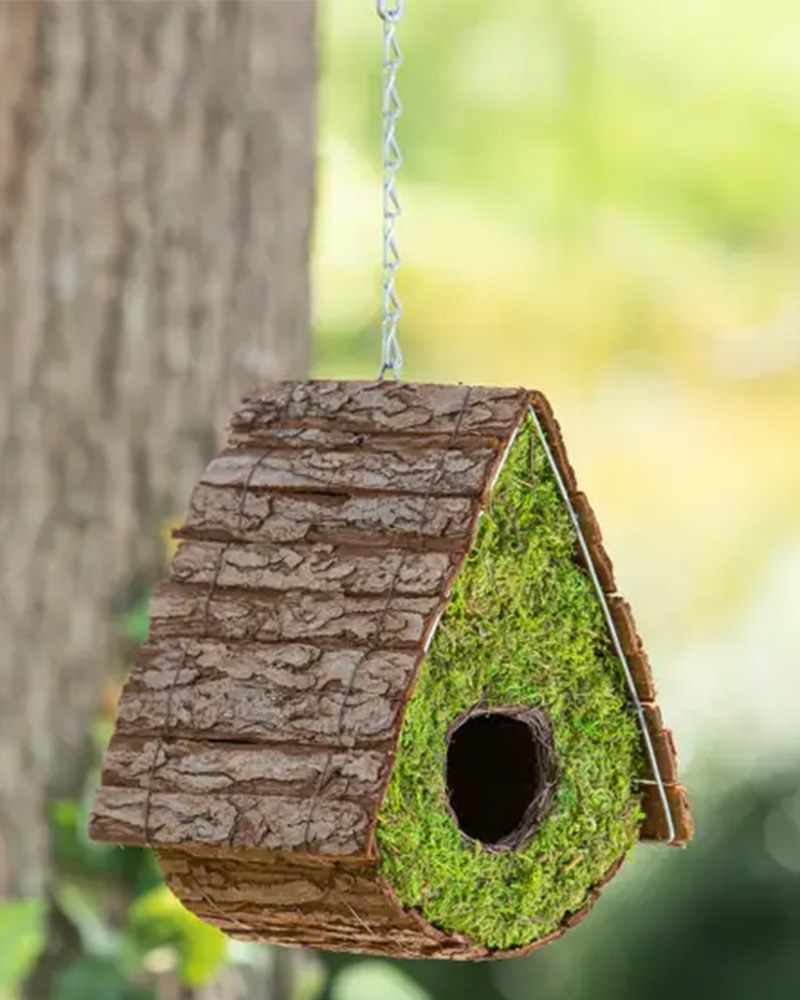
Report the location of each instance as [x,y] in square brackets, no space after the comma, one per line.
[390,12]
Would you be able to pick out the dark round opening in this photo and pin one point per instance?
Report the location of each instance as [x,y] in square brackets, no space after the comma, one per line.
[500,776]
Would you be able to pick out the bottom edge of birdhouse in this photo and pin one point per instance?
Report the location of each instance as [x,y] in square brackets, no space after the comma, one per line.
[345,905]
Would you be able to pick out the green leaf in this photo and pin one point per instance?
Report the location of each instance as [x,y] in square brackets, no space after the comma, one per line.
[135,624]
[157,919]
[22,938]
[371,979]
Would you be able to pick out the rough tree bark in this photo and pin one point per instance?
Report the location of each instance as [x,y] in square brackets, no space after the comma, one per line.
[156,180]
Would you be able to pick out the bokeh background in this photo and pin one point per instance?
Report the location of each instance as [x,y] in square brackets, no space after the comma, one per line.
[602,201]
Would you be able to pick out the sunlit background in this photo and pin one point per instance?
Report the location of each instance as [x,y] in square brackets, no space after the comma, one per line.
[602,200]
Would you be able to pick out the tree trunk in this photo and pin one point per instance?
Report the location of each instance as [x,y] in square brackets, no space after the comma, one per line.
[156,182]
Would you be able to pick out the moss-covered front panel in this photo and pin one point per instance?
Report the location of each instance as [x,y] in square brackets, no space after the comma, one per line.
[524,627]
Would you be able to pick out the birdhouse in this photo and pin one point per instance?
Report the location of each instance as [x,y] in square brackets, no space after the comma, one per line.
[391,700]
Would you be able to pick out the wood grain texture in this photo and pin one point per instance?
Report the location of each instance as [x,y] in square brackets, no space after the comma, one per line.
[297,899]
[663,744]
[594,539]
[654,826]
[182,611]
[222,513]
[315,568]
[334,904]
[296,694]
[373,409]
[431,472]
[139,816]
[175,765]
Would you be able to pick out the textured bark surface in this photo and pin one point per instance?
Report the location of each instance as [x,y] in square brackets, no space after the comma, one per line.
[303,651]
[364,408]
[292,899]
[277,617]
[398,470]
[654,825]
[332,904]
[315,568]
[242,769]
[256,734]
[265,693]
[334,519]
[156,187]
[273,822]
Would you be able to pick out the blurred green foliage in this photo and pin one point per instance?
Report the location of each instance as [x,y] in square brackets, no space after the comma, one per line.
[132,930]
[157,920]
[371,979]
[22,938]
[134,623]
[599,200]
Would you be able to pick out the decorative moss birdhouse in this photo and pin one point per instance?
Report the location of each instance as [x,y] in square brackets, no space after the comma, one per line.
[391,701]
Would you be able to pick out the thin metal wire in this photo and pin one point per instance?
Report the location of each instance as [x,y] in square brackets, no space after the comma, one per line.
[648,742]
[390,12]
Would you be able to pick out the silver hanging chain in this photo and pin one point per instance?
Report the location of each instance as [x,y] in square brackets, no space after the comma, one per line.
[390,12]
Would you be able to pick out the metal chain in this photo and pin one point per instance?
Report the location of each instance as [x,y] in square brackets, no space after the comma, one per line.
[390,12]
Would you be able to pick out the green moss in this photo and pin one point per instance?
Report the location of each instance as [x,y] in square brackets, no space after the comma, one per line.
[524,626]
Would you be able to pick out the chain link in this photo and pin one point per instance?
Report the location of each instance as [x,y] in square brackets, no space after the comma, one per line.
[390,12]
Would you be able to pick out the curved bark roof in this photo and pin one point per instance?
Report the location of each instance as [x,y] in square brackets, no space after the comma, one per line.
[314,564]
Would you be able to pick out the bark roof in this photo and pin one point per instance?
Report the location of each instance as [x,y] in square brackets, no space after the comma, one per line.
[315,561]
